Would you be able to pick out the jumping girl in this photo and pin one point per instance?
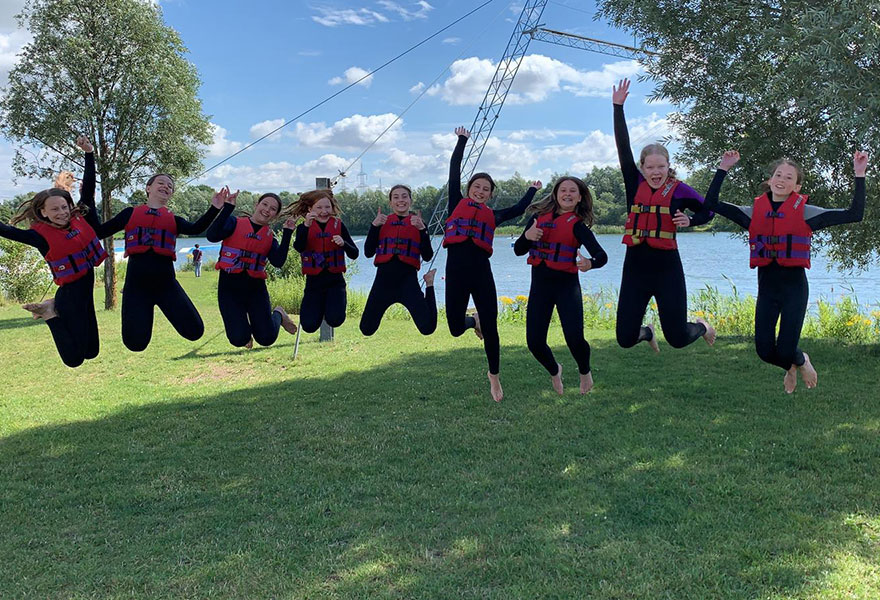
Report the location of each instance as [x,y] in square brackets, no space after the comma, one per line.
[652,266]
[151,232]
[65,235]
[559,226]
[400,242]
[247,245]
[470,230]
[324,242]
[781,224]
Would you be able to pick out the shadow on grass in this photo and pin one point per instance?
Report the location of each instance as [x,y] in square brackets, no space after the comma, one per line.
[15,323]
[681,476]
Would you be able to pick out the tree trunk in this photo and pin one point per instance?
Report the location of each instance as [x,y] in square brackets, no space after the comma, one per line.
[110,263]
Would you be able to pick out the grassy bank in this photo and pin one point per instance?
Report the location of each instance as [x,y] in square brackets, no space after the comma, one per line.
[379,467]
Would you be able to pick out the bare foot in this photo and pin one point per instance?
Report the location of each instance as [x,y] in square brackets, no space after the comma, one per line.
[250,344]
[808,372]
[556,380]
[477,330]
[709,336]
[653,341]
[789,382]
[286,322]
[495,387]
[43,310]
[586,383]
[429,277]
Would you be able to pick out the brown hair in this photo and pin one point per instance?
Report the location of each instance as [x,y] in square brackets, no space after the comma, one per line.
[302,205]
[29,210]
[399,186]
[485,176]
[272,195]
[153,178]
[765,185]
[656,149]
[583,209]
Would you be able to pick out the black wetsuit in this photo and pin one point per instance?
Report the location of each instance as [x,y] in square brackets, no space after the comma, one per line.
[469,274]
[397,281]
[650,271]
[75,329]
[324,298]
[783,291]
[244,300]
[551,288]
[150,281]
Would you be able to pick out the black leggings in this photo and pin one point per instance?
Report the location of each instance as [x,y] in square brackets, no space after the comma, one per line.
[397,282]
[324,299]
[75,329]
[246,310]
[468,274]
[150,282]
[650,272]
[782,297]
[563,290]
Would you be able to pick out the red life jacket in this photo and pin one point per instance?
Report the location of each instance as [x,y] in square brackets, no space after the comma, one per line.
[649,218]
[399,237]
[782,235]
[245,250]
[151,229]
[470,221]
[321,251]
[557,248]
[72,252]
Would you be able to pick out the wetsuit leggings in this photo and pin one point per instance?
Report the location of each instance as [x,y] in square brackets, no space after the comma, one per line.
[782,297]
[75,329]
[465,279]
[650,272]
[398,283]
[141,295]
[324,299]
[561,290]
[246,310]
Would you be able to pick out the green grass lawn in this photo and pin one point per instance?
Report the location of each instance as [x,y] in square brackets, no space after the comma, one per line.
[379,467]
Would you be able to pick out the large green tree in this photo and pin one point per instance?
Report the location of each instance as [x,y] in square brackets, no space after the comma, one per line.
[112,70]
[771,79]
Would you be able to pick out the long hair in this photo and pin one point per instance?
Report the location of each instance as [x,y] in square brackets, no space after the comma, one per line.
[656,149]
[302,205]
[765,185]
[29,210]
[64,181]
[549,203]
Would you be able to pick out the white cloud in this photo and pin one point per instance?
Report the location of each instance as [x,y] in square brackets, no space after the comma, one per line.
[221,146]
[537,78]
[264,127]
[417,88]
[352,132]
[10,45]
[332,17]
[276,176]
[407,14]
[451,40]
[351,75]
[521,135]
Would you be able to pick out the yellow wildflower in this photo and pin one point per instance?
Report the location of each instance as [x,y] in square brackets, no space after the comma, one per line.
[521,298]
[506,301]
[608,305]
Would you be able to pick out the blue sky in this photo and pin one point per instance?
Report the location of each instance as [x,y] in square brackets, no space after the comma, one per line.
[263,62]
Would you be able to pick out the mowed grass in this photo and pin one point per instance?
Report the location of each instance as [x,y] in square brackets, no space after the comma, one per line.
[379,467]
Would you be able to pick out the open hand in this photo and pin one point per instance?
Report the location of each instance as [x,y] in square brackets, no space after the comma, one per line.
[462,131]
[730,158]
[83,143]
[220,197]
[620,91]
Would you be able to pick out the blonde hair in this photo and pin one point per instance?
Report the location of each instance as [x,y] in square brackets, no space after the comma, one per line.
[64,181]
[655,149]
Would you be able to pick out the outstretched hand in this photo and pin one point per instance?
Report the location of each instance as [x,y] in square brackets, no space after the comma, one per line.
[462,131]
[83,143]
[681,220]
[728,159]
[534,233]
[230,198]
[620,91]
[220,197]
[380,218]
[860,162]
[584,264]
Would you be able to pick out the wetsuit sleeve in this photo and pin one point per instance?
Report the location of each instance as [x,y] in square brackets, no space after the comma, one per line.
[223,226]
[453,188]
[741,215]
[114,225]
[302,238]
[517,210]
[185,227]
[522,245]
[350,249]
[278,253]
[625,155]
[690,199]
[585,237]
[425,248]
[24,236]
[820,218]
[87,192]
[372,241]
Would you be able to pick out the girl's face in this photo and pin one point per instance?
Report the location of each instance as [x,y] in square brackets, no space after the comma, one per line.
[480,190]
[323,210]
[265,210]
[784,181]
[56,210]
[400,202]
[159,192]
[655,170]
[567,196]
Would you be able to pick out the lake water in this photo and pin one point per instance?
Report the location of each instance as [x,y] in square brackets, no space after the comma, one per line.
[708,258]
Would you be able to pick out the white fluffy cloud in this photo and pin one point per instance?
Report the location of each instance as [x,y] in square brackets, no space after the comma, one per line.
[351,75]
[417,88]
[537,78]
[407,14]
[10,45]
[332,17]
[352,132]
[264,127]
[276,176]
[220,146]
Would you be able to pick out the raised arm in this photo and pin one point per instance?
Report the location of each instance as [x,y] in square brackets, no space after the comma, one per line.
[741,215]
[278,253]
[223,226]
[518,209]
[453,188]
[24,236]
[820,218]
[621,137]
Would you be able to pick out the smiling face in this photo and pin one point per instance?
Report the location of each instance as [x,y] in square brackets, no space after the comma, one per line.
[784,181]
[567,195]
[265,210]
[400,201]
[480,190]
[56,210]
[323,209]
[655,169]
[159,190]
